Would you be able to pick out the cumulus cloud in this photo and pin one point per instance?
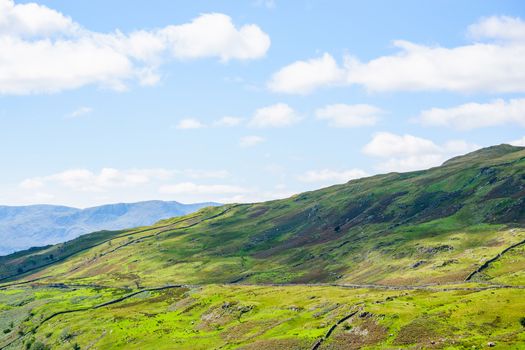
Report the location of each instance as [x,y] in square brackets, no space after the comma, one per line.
[408,152]
[493,64]
[86,180]
[476,115]
[33,20]
[498,27]
[302,77]
[107,178]
[519,142]
[385,144]
[44,51]
[189,123]
[197,189]
[349,116]
[214,35]
[85,187]
[327,175]
[251,140]
[275,116]
[31,184]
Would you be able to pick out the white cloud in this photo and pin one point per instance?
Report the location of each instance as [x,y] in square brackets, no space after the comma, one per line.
[327,175]
[251,140]
[349,116]
[303,77]
[476,115]
[197,189]
[84,187]
[274,116]
[31,184]
[86,180]
[33,20]
[70,56]
[206,174]
[109,178]
[80,112]
[494,66]
[498,27]
[385,144]
[189,123]
[519,142]
[214,35]
[228,121]
[408,152]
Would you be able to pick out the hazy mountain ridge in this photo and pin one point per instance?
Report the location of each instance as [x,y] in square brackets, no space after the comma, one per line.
[22,227]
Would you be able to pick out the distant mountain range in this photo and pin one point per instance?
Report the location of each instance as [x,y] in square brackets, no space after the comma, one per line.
[22,227]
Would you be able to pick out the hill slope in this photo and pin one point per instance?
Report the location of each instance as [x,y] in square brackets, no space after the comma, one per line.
[37,225]
[427,226]
[427,259]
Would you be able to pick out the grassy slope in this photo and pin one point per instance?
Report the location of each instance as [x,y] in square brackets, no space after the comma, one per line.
[433,226]
[421,227]
[262,317]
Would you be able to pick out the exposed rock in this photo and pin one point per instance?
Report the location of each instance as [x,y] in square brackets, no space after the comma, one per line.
[435,250]
[417,264]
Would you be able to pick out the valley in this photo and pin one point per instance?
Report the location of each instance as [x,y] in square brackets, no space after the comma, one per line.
[427,259]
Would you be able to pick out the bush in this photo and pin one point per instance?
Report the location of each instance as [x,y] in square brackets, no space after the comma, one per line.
[7,330]
[66,335]
[76,346]
[522,321]
[38,345]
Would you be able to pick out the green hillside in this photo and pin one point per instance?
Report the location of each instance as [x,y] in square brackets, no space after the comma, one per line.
[421,259]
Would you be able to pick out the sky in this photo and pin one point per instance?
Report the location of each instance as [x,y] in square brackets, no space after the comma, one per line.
[242,101]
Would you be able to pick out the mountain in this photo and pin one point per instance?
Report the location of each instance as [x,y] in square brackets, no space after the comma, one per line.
[36,225]
[370,230]
[425,259]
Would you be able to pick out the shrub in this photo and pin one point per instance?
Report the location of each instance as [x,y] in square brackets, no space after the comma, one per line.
[522,321]
[38,345]
[76,346]
[65,335]
[7,330]
[347,326]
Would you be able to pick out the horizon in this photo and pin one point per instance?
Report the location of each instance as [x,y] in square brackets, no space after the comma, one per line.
[132,102]
[212,202]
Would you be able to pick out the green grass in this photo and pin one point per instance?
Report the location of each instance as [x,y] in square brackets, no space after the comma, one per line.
[426,228]
[232,317]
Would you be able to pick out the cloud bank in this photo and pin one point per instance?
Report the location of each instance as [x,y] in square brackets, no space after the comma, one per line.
[492,62]
[44,51]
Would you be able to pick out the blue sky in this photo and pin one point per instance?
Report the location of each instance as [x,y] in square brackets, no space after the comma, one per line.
[245,101]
